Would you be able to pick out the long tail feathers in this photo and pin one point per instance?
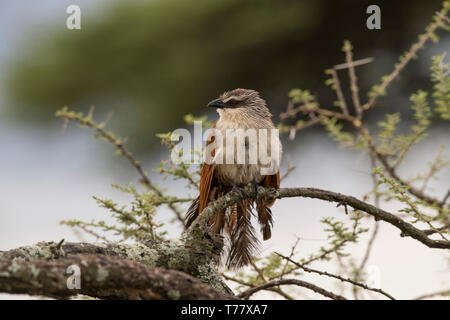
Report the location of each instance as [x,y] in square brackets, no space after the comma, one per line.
[192,212]
[244,242]
[242,236]
[264,218]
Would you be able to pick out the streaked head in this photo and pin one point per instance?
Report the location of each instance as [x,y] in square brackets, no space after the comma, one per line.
[241,100]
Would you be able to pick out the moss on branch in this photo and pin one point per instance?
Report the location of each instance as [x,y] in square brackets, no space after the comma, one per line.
[102,277]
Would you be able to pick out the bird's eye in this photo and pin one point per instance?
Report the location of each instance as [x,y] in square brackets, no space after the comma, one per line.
[232,102]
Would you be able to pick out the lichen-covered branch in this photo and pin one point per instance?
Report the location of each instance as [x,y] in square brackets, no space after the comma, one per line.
[194,258]
[102,277]
[37,269]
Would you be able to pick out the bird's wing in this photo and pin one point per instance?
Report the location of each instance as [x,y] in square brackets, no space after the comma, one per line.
[207,187]
[272,181]
[206,177]
[265,218]
[206,184]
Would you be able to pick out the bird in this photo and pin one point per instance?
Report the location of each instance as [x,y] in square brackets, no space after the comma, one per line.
[239,109]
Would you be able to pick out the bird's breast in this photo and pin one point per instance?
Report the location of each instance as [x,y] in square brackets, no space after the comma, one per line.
[245,153]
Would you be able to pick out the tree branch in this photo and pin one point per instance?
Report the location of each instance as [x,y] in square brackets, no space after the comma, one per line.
[324,273]
[433,295]
[194,258]
[304,284]
[119,144]
[232,197]
[102,277]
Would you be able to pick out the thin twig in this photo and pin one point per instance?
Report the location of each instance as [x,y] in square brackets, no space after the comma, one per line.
[338,89]
[354,63]
[283,272]
[440,15]
[119,144]
[434,294]
[353,78]
[436,230]
[92,233]
[265,280]
[430,30]
[296,282]
[250,285]
[321,256]
[290,168]
[358,272]
[324,273]
[391,170]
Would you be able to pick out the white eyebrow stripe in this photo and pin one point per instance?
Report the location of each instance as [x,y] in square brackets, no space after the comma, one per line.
[232,97]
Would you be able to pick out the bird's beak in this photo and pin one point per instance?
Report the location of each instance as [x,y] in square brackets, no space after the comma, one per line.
[217,103]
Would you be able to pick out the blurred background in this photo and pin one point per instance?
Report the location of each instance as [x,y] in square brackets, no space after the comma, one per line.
[151,62]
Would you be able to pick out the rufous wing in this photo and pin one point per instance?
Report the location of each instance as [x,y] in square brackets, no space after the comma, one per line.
[271,181]
[206,188]
[206,176]
[265,218]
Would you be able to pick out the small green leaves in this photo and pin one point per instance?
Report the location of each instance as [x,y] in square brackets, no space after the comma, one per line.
[190,119]
[387,133]
[347,46]
[334,128]
[422,112]
[440,76]
[376,91]
[301,96]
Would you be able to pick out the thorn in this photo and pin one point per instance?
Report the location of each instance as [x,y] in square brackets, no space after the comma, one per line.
[91,112]
[58,246]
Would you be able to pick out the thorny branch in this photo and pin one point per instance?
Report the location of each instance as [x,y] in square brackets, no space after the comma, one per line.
[324,273]
[232,197]
[410,55]
[301,283]
[317,114]
[119,144]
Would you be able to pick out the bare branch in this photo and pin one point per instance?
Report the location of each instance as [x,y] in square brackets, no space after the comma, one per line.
[393,173]
[232,197]
[434,294]
[338,89]
[119,144]
[354,63]
[300,283]
[324,273]
[353,78]
[290,168]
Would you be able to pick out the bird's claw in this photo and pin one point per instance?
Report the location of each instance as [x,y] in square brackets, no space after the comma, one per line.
[255,190]
[242,193]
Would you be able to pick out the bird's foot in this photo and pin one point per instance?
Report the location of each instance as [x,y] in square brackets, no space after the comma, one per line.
[241,191]
[255,190]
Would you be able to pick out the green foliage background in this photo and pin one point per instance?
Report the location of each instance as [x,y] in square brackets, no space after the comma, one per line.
[154,61]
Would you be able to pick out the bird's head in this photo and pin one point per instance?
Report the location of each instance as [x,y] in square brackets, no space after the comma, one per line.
[241,102]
